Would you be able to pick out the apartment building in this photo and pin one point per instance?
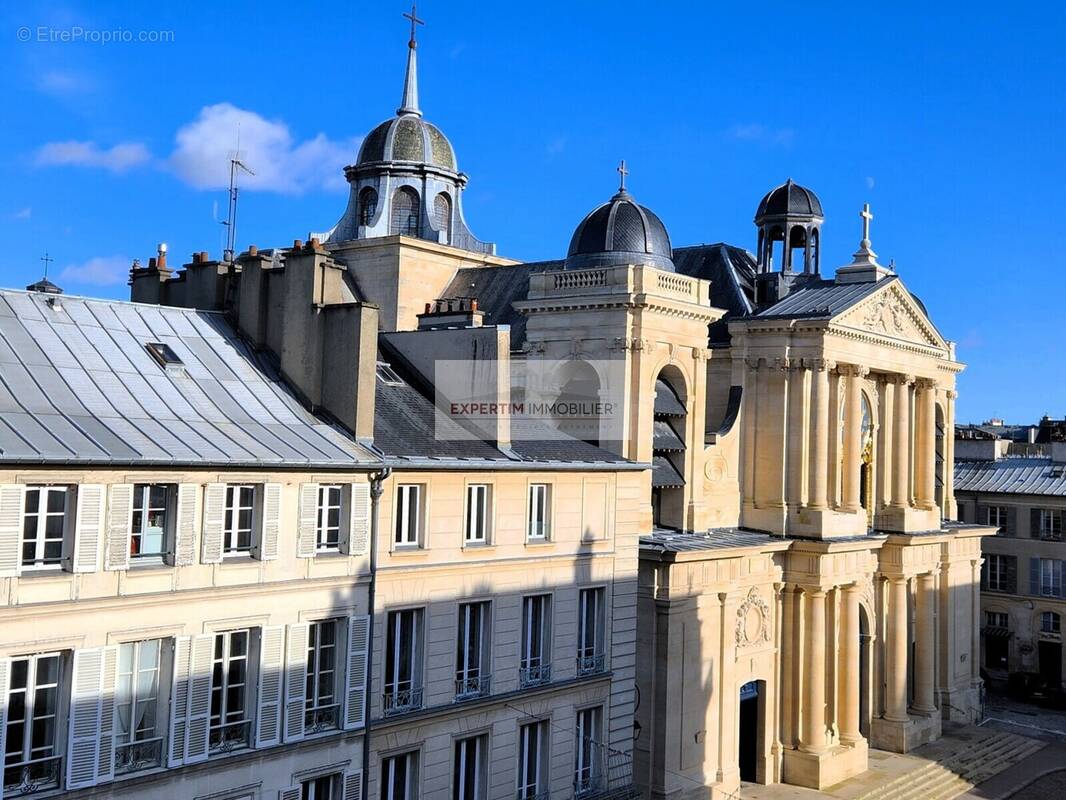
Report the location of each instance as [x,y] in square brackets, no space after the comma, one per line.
[1019,488]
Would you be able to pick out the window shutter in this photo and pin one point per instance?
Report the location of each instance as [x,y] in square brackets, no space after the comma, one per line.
[200,665]
[119,524]
[88,528]
[1012,521]
[84,735]
[308,521]
[214,516]
[179,701]
[105,765]
[353,785]
[358,541]
[12,498]
[1034,523]
[271,680]
[355,675]
[292,793]
[1034,576]
[295,681]
[268,536]
[1058,576]
[185,526]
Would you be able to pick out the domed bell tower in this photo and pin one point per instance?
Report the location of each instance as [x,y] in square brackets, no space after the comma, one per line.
[789,220]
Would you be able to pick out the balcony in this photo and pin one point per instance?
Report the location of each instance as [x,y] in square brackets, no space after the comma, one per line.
[29,777]
[472,686]
[231,736]
[609,778]
[590,664]
[323,718]
[535,675]
[135,756]
[401,701]
[531,793]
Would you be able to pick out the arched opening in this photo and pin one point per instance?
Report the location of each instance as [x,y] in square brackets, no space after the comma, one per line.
[865,678]
[576,404]
[941,462]
[797,240]
[815,254]
[368,205]
[669,433]
[866,461]
[442,216]
[751,721]
[405,212]
[774,254]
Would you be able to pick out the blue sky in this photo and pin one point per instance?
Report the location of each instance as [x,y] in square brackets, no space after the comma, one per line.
[948,118]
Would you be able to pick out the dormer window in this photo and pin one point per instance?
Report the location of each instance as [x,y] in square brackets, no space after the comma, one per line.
[165,356]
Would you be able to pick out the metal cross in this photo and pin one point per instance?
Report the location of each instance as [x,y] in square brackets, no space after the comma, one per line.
[413,16]
[866,217]
[47,260]
[623,172]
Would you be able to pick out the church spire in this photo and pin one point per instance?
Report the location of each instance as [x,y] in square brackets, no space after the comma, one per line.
[410,81]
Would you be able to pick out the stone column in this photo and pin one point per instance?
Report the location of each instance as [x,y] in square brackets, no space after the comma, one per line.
[951,510]
[797,423]
[788,654]
[901,442]
[814,707]
[819,492]
[849,657]
[925,645]
[926,441]
[852,437]
[896,651]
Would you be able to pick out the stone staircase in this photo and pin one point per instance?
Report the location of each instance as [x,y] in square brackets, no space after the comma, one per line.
[951,773]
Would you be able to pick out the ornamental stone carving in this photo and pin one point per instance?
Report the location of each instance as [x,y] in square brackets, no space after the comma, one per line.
[753,620]
[885,315]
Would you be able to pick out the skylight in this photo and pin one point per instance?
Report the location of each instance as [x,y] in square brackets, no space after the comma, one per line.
[165,355]
[387,375]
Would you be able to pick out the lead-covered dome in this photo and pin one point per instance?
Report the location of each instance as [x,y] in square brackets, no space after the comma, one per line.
[620,232]
[789,200]
[408,138]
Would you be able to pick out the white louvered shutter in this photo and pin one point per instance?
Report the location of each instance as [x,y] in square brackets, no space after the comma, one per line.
[295,681]
[355,673]
[271,686]
[268,544]
[214,517]
[105,764]
[185,526]
[353,785]
[5,671]
[292,793]
[12,498]
[200,664]
[83,750]
[179,702]
[88,528]
[119,525]
[307,524]
[358,540]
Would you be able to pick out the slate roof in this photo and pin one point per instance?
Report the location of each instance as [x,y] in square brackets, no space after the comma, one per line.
[1012,475]
[822,299]
[78,386]
[666,540]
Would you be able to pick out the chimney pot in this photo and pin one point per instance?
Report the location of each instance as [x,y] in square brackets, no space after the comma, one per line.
[151,263]
[297,244]
[253,250]
[315,244]
[204,256]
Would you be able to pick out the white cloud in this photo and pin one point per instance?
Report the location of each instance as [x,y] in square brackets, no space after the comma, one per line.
[23,213]
[757,132]
[870,183]
[99,271]
[204,147]
[118,158]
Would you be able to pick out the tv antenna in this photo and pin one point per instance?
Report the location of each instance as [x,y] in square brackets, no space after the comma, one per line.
[235,168]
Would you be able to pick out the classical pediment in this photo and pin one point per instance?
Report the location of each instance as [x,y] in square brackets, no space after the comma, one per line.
[894,313]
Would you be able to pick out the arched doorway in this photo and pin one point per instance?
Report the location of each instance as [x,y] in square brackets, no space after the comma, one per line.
[750,718]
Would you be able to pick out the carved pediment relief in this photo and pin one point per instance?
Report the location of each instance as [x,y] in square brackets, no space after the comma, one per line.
[894,313]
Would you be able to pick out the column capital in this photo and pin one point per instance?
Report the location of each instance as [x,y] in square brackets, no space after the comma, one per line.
[819,364]
[753,363]
[853,370]
[951,394]
[900,380]
[925,384]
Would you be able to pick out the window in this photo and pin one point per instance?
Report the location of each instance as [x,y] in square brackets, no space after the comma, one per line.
[477,513]
[996,619]
[324,787]
[240,511]
[399,777]
[1050,524]
[535,667]
[470,770]
[44,525]
[442,216]
[1050,577]
[138,743]
[997,516]
[328,526]
[587,768]
[368,205]
[999,573]
[31,743]
[148,534]
[405,212]
[590,658]
[1050,622]
[230,725]
[408,515]
[403,661]
[473,654]
[164,354]
[533,761]
[322,701]
[539,512]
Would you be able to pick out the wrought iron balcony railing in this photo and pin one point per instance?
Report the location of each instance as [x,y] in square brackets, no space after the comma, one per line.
[29,777]
[591,664]
[138,755]
[401,701]
[231,736]
[471,686]
[535,675]
[323,718]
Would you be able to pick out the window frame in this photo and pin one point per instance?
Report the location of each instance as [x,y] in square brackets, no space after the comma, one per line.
[588,769]
[1055,628]
[997,572]
[402,538]
[461,756]
[1050,525]
[591,659]
[393,682]
[313,708]
[309,787]
[1000,515]
[60,714]
[411,777]
[536,786]
[536,674]
[247,690]
[1053,576]
[544,518]
[478,499]
[161,701]
[143,490]
[473,680]
[997,619]
[322,509]
[231,511]
[40,563]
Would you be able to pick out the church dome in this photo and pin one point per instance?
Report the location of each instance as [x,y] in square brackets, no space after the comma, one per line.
[408,138]
[789,200]
[620,232]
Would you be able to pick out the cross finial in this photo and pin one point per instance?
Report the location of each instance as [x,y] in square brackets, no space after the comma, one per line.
[622,171]
[47,260]
[413,16]
[866,217]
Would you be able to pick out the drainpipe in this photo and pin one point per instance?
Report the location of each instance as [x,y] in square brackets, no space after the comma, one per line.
[377,480]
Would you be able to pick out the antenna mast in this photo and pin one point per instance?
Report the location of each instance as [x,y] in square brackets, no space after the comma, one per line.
[235,166]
